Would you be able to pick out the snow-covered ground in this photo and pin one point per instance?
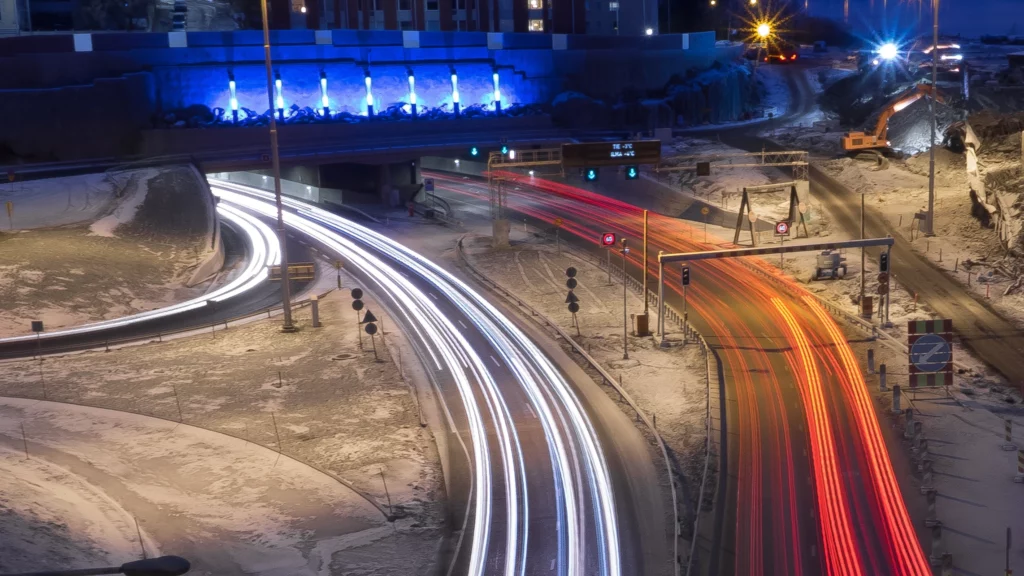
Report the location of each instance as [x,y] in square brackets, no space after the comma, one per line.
[315,395]
[56,201]
[89,247]
[229,506]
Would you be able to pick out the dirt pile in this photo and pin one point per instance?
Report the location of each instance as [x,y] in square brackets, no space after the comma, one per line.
[910,129]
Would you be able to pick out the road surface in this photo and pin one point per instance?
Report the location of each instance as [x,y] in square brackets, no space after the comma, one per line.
[808,488]
[542,499]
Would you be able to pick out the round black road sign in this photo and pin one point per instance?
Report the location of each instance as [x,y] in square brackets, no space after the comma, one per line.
[357,293]
[570,272]
[571,283]
[371,329]
[357,304]
[574,307]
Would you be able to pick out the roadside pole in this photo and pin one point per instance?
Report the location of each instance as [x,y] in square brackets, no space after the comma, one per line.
[625,320]
[863,263]
[286,302]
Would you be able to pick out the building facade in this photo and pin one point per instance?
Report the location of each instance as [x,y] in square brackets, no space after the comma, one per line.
[542,16]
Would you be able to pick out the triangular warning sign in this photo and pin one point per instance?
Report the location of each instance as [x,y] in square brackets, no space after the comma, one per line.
[369,317]
[570,298]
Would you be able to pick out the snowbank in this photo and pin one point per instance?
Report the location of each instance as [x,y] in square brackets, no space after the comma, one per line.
[128,205]
[56,201]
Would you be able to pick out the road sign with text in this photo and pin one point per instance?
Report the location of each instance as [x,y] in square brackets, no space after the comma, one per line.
[611,153]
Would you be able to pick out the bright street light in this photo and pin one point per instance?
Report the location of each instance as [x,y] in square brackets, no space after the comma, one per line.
[888,51]
[649,31]
[764,30]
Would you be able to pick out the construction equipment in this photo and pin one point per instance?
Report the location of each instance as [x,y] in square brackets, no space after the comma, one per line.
[830,265]
[855,141]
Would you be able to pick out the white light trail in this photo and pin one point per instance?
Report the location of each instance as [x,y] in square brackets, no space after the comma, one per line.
[266,252]
[550,395]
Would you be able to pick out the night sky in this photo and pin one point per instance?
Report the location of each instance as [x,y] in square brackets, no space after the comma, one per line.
[966,17]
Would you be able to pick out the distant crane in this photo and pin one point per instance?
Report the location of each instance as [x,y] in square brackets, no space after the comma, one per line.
[856,141]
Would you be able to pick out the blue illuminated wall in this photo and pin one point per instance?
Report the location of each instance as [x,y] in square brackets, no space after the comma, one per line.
[207,85]
[110,89]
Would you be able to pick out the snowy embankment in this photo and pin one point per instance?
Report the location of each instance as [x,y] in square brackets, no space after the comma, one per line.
[101,246]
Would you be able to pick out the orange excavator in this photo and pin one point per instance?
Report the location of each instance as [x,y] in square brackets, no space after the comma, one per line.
[856,141]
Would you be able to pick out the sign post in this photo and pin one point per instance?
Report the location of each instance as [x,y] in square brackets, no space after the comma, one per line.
[704,211]
[931,352]
[558,242]
[782,230]
[608,241]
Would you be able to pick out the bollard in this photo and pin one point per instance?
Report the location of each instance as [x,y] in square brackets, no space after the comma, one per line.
[908,430]
[936,555]
[881,377]
[314,303]
[871,360]
[1008,427]
[896,399]
[947,565]
[1020,467]
[915,439]
[932,519]
[922,454]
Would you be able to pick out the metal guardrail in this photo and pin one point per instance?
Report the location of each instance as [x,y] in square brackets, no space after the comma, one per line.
[610,380]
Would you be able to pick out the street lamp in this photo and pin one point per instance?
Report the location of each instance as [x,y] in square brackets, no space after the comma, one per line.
[162,566]
[286,299]
[764,30]
[888,51]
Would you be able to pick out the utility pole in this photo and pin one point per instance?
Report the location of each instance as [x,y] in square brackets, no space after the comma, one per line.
[625,322]
[644,265]
[286,300]
[863,263]
[930,220]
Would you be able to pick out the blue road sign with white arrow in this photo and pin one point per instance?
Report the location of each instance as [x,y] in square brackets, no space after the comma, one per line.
[931,353]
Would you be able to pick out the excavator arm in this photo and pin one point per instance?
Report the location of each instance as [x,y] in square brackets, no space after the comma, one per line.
[879,138]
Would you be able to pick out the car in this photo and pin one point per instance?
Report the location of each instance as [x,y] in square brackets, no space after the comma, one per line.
[780,52]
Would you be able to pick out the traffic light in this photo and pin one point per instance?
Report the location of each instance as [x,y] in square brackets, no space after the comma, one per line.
[474,151]
[632,172]
[590,174]
[883,262]
[686,275]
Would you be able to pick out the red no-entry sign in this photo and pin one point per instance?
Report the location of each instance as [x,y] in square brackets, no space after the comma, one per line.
[608,239]
[782,228]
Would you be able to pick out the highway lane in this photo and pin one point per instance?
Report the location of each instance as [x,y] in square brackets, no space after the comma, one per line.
[811,484]
[250,239]
[541,498]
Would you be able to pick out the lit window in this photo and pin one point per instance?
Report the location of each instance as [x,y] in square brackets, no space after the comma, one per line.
[613,5]
[536,25]
[536,5]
